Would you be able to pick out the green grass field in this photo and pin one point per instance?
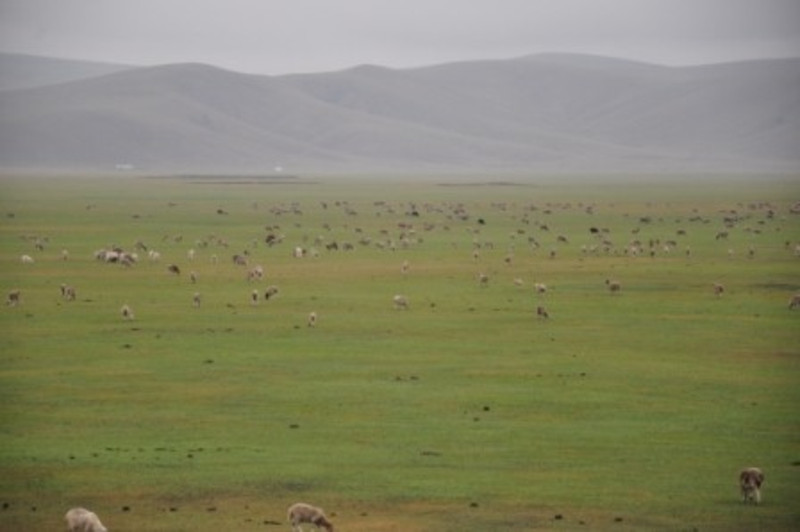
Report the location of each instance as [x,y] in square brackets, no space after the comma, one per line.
[626,411]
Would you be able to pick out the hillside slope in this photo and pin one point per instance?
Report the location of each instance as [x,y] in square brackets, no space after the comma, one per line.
[553,112]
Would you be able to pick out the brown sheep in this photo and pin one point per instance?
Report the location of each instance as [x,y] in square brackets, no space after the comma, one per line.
[68,292]
[718,289]
[14,298]
[82,520]
[613,286]
[750,480]
[270,292]
[542,312]
[301,512]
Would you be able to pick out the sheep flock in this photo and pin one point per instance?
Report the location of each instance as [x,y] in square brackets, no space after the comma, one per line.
[285,271]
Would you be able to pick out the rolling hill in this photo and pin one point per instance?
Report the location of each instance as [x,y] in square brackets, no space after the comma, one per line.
[552,112]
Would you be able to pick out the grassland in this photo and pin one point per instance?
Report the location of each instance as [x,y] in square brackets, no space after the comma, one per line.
[628,411]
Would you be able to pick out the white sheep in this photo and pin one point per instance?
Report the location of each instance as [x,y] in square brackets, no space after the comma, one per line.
[750,480]
[127,312]
[400,301]
[301,512]
[540,288]
[82,520]
[26,259]
[312,319]
[196,299]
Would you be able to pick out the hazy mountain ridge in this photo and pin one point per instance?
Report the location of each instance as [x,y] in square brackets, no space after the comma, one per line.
[22,71]
[543,112]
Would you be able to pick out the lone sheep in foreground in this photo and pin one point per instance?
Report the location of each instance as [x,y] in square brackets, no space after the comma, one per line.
[794,302]
[126,312]
[750,480]
[305,513]
[82,520]
[14,298]
[400,302]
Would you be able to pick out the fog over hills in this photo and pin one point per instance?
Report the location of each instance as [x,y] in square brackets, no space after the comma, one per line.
[552,112]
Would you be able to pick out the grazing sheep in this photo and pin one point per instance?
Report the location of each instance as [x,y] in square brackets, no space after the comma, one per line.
[193,277]
[254,297]
[541,312]
[255,274]
[64,254]
[26,259]
[540,288]
[67,292]
[613,286]
[718,289]
[483,279]
[82,520]
[750,480]
[270,292]
[14,298]
[127,312]
[404,267]
[400,301]
[305,513]
[794,302]
[196,299]
[312,319]
[154,255]
[173,268]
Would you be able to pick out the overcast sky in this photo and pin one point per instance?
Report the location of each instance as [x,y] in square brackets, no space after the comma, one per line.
[282,36]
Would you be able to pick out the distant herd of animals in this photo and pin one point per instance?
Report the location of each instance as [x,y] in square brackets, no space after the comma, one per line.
[751,479]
